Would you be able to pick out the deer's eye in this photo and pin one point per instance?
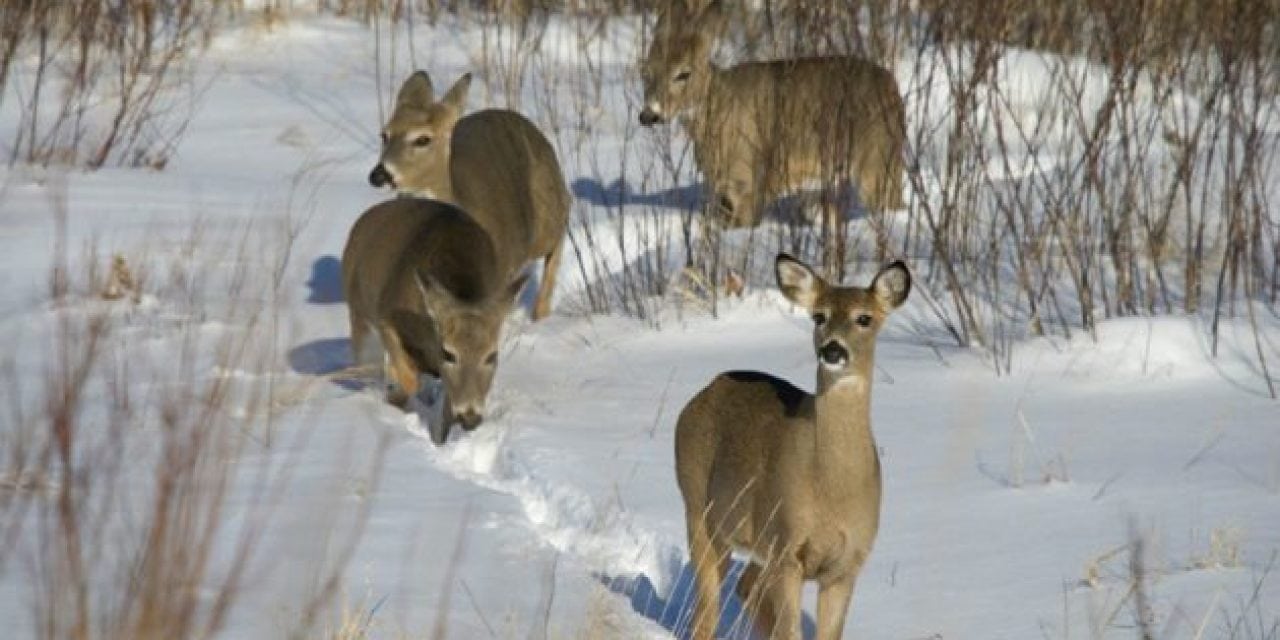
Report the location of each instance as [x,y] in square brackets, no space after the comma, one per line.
[492,359]
[682,76]
[819,318]
[863,320]
[421,141]
[449,356]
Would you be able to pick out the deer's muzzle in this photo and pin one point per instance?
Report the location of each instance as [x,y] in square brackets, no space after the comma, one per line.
[470,419]
[649,117]
[833,354]
[380,177]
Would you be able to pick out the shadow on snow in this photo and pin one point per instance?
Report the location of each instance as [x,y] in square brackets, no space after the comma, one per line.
[675,612]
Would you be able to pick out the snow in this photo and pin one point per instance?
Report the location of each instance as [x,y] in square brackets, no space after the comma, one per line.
[1004,495]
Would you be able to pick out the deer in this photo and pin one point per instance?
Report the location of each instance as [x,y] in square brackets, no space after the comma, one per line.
[761,129]
[494,164]
[425,279]
[790,478]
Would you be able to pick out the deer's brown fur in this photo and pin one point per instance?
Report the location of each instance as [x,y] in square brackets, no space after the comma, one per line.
[425,279]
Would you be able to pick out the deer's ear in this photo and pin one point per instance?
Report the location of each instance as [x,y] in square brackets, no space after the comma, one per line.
[797,282]
[710,18]
[416,91]
[892,285]
[434,296]
[515,287]
[456,97]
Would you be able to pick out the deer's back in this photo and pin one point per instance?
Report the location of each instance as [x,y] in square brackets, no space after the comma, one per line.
[738,442]
[395,239]
[505,174]
[796,109]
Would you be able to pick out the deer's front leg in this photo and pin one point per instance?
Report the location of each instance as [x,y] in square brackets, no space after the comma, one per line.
[784,580]
[398,368]
[833,605]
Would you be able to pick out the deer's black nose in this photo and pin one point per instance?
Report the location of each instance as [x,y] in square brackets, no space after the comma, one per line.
[649,117]
[470,419]
[380,177]
[834,354]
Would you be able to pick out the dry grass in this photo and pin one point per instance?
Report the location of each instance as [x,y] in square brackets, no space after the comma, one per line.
[121,462]
[102,82]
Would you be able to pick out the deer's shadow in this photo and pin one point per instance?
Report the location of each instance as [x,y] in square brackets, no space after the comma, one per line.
[324,286]
[796,207]
[324,357]
[618,193]
[675,612]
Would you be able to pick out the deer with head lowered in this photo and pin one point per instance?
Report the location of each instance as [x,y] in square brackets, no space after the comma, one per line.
[790,478]
[435,275]
[760,129]
[424,279]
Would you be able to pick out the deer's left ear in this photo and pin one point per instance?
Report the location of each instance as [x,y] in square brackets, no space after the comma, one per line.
[892,285]
[416,90]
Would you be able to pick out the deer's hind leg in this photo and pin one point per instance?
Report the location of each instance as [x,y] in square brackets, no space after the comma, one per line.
[710,560]
[780,583]
[755,600]
[880,177]
[547,287]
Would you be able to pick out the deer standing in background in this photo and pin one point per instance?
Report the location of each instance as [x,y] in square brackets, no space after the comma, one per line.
[788,477]
[761,129]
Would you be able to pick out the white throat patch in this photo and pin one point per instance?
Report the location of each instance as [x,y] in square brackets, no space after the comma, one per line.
[419,193]
[852,383]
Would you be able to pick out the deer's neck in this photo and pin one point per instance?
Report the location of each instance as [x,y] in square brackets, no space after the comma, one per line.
[442,190]
[844,443]
[703,112]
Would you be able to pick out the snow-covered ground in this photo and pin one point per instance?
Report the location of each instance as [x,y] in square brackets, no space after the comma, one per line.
[1009,501]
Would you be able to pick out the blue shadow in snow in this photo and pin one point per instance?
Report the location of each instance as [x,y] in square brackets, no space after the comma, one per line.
[788,208]
[325,283]
[675,612]
[619,193]
[323,357]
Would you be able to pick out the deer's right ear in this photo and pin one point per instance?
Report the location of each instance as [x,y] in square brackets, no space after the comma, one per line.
[433,295]
[797,281]
[710,18]
[697,7]
[416,91]
[516,286]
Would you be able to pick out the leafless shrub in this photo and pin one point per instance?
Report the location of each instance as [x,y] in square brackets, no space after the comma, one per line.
[1070,161]
[122,461]
[108,82]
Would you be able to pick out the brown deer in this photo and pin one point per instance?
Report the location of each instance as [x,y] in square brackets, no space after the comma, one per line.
[494,164]
[788,477]
[760,129]
[426,280]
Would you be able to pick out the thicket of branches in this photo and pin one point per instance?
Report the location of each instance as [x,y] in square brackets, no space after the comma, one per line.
[1129,176]
[101,81]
